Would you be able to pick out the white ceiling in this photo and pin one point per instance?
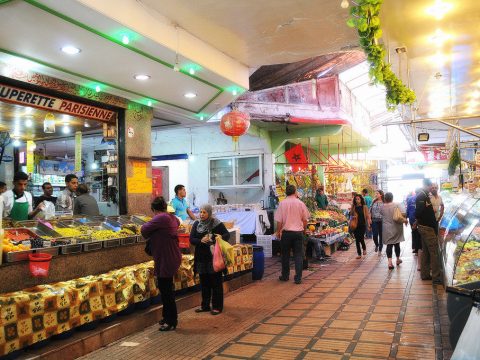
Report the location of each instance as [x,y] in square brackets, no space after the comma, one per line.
[263,32]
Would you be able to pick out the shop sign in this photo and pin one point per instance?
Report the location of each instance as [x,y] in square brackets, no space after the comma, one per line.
[130,132]
[29,98]
[78,151]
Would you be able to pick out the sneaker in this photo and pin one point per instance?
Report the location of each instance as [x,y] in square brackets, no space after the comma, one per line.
[281,278]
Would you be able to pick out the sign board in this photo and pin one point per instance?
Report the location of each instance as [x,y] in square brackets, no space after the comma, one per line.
[54,167]
[139,183]
[29,98]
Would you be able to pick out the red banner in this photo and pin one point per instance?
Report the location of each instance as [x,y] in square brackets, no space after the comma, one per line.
[296,157]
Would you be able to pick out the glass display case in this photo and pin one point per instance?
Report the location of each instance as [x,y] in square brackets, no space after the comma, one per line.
[461,244]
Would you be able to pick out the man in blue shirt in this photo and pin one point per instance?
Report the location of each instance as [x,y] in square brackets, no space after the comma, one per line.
[179,203]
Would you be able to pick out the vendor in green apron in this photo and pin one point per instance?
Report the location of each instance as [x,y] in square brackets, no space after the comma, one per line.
[17,203]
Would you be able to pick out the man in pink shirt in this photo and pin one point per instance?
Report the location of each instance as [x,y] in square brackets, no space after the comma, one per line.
[291,217]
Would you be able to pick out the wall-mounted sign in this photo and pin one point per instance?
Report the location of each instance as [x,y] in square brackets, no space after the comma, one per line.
[130,132]
[29,98]
[139,183]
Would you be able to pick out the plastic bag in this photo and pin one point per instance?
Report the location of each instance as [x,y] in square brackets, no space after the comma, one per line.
[218,262]
[227,250]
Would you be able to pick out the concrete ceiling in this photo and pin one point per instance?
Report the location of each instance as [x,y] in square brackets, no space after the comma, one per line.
[263,32]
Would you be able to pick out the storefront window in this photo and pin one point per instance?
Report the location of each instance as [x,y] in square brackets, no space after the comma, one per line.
[242,171]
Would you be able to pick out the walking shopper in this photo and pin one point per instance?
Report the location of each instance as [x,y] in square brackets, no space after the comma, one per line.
[416,241]
[368,201]
[161,233]
[362,215]
[428,228]
[291,218]
[203,237]
[392,230]
[376,214]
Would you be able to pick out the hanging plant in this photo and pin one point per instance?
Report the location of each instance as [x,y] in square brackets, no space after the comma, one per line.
[454,161]
[365,17]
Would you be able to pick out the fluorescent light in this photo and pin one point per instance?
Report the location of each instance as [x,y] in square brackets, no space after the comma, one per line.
[28,110]
[440,37]
[86,124]
[234,92]
[71,50]
[66,129]
[190,95]
[16,143]
[439,9]
[28,123]
[125,39]
[201,117]
[97,88]
[142,77]
[192,71]
[149,103]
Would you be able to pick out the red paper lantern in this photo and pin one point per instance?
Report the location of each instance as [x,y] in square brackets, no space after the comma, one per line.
[235,124]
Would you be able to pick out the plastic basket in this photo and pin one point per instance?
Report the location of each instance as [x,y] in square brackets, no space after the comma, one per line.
[184,241]
[39,264]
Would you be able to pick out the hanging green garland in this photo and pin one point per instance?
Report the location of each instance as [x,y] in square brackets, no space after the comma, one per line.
[454,161]
[365,17]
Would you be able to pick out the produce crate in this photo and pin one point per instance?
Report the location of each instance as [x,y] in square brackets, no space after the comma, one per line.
[111,243]
[92,246]
[70,249]
[128,240]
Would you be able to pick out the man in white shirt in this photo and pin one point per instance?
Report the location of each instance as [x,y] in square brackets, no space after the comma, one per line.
[437,203]
[18,203]
[67,196]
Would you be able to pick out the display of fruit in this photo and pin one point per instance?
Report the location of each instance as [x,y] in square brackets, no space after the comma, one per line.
[10,247]
[18,234]
[100,235]
[126,232]
[70,232]
[311,227]
[132,227]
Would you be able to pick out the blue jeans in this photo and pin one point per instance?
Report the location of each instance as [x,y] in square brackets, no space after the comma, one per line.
[317,245]
[377,234]
[292,240]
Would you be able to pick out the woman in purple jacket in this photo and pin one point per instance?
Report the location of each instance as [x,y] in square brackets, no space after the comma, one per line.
[161,231]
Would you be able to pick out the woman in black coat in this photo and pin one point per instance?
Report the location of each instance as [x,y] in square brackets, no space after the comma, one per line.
[203,237]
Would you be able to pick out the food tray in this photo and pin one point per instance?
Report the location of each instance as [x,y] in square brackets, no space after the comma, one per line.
[137,220]
[71,249]
[92,246]
[111,243]
[128,240]
[53,250]
[11,231]
[15,256]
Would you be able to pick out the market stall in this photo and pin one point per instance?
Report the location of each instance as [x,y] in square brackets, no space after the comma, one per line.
[460,252]
[249,218]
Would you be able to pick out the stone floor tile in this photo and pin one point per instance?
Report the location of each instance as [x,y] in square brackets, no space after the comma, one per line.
[269,329]
[257,339]
[377,336]
[289,341]
[274,353]
[344,324]
[320,355]
[331,345]
[372,350]
[415,352]
[242,350]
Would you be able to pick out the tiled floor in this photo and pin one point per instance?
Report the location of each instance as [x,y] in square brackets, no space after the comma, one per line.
[344,309]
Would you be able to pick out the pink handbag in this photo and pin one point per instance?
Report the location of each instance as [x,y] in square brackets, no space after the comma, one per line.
[218,261]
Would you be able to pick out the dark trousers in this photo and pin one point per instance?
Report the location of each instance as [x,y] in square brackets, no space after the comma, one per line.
[416,240]
[292,240]
[212,291]
[430,259]
[169,311]
[359,234]
[377,234]
[397,250]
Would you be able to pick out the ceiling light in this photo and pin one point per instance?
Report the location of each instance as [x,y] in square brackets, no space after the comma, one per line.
[344,4]
[94,166]
[28,110]
[439,9]
[192,71]
[142,77]
[440,37]
[125,39]
[16,143]
[475,94]
[469,111]
[66,129]
[234,92]
[473,103]
[71,50]
[190,95]
[439,59]
[29,123]
[149,103]
[86,124]
[97,88]
[201,117]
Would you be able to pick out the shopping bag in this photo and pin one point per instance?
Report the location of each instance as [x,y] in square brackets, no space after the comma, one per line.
[397,216]
[352,226]
[227,250]
[218,262]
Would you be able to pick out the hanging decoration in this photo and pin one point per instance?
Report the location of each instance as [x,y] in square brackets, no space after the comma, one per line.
[49,124]
[454,161]
[365,17]
[235,124]
[296,157]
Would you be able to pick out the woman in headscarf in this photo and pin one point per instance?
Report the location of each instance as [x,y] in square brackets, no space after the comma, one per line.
[203,237]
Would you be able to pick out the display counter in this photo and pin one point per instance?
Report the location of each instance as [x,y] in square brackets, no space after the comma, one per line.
[460,252]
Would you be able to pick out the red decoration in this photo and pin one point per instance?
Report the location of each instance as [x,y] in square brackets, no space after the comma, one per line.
[235,124]
[296,157]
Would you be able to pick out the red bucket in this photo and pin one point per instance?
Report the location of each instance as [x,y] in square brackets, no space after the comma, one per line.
[184,241]
[39,264]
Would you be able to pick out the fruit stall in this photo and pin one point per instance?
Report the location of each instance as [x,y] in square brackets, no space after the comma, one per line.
[460,252]
[97,268]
